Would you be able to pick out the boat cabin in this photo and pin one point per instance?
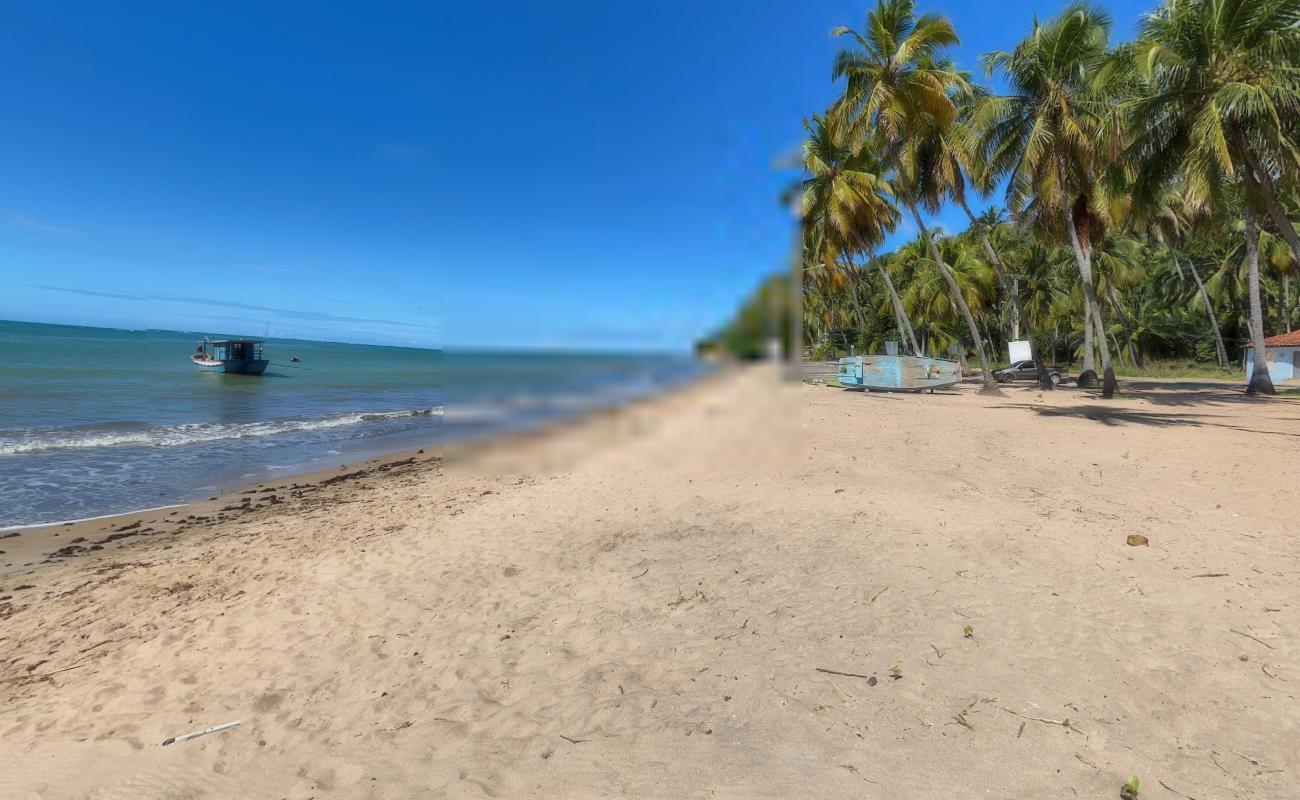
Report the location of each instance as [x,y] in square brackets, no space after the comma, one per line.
[232,349]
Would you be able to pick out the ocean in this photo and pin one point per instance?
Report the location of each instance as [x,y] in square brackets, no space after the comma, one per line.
[95,421]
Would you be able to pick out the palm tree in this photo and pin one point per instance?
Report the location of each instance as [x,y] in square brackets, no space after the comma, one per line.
[846,205]
[1047,137]
[1221,117]
[1174,222]
[897,87]
[1118,270]
[941,159]
[905,331]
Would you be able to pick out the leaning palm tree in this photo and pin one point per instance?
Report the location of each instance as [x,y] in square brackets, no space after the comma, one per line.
[942,158]
[896,87]
[1047,138]
[1173,223]
[846,206]
[1221,118]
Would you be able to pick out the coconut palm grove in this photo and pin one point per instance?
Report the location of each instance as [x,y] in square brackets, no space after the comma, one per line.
[1143,192]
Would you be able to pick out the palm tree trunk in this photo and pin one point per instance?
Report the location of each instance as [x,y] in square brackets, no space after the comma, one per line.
[1083,258]
[1265,183]
[1012,288]
[857,305]
[900,314]
[1017,314]
[1260,381]
[960,347]
[849,269]
[1219,349]
[1089,351]
[1286,299]
[898,323]
[990,383]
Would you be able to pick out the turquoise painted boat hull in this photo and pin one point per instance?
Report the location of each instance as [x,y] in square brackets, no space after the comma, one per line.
[898,373]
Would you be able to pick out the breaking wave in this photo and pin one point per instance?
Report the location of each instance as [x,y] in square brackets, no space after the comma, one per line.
[189,433]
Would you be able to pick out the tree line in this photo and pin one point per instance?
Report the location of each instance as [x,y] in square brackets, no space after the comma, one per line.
[1146,190]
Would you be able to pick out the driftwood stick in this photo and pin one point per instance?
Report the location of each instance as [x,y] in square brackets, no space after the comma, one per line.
[573,741]
[1248,636]
[46,674]
[1064,723]
[196,734]
[1175,791]
[845,674]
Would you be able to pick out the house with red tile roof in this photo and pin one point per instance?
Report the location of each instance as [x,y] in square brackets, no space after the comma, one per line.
[1283,354]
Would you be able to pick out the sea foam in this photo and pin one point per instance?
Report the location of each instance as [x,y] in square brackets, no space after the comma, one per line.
[189,433]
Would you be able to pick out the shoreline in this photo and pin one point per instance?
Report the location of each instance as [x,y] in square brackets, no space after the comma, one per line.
[691,604]
[28,549]
[363,452]
[61,522]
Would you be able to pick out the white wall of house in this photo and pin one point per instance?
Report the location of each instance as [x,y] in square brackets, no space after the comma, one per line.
[1283,363]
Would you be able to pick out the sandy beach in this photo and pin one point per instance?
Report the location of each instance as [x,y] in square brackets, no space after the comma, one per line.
[742,589]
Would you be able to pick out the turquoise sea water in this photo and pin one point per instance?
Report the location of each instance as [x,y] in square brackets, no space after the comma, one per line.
[96,421]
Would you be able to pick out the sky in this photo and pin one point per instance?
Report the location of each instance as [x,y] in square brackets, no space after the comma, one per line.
[589,175]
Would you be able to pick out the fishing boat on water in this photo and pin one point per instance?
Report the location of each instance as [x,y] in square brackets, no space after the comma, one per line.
[231,356]
[898,373]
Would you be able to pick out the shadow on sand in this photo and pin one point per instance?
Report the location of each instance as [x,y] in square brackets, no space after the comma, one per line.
[1204,395]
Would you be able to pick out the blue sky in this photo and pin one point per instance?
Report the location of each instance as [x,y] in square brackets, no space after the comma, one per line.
[583,174]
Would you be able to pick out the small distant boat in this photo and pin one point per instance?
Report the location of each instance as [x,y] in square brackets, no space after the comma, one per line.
[898,373]
[232,356]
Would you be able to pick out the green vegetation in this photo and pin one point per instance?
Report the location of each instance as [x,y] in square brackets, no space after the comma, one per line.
[768,315]
[1179,369]
[1149,190]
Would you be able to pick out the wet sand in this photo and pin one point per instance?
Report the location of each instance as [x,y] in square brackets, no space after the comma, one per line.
[26,550]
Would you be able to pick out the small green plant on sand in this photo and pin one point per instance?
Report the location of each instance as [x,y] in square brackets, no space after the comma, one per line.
[895,672]
[1130,789]
[968,632]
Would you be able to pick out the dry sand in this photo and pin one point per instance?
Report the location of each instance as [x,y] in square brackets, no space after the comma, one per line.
[661,611]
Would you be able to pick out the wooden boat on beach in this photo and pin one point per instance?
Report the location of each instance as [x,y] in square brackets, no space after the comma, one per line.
[898,373]
[231,356]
